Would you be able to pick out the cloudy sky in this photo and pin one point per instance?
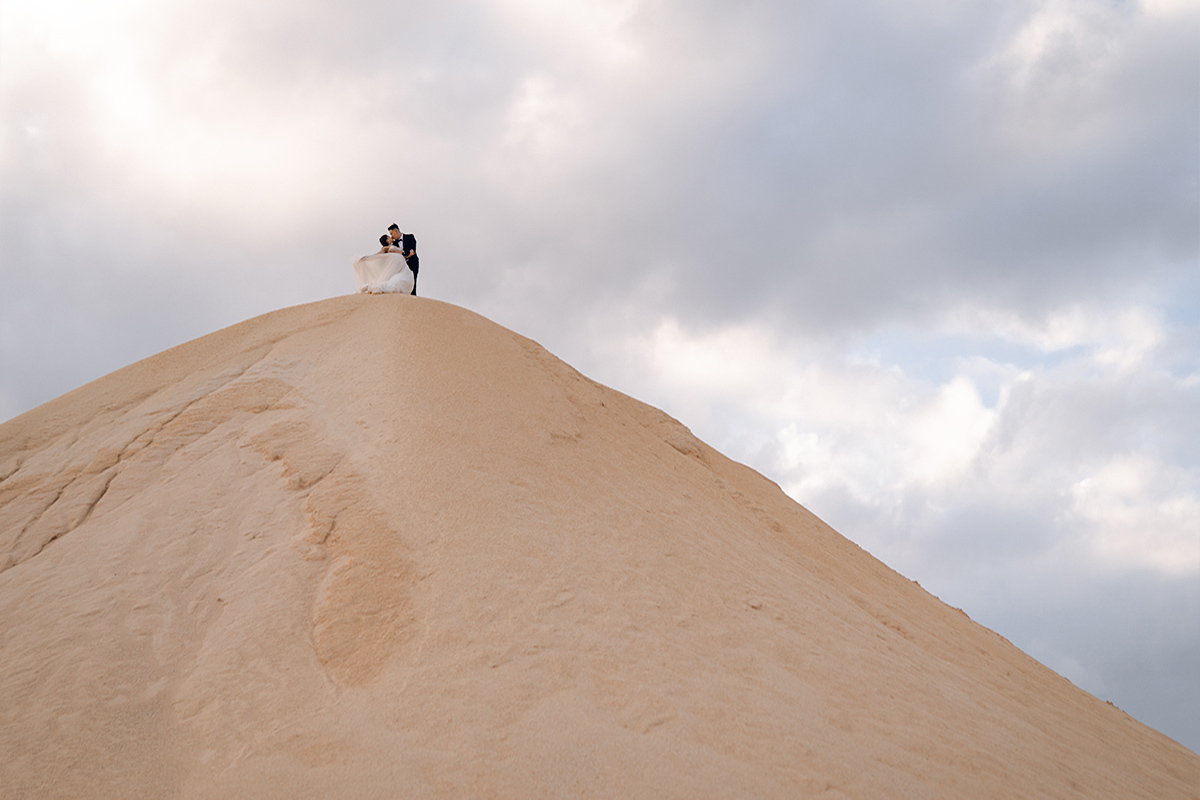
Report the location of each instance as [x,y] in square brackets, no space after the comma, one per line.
[933,265]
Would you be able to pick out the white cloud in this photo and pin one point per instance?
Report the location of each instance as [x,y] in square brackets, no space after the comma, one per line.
[591,29]
[543,119]
[912,453]
[1170,8]
[1120,338]
[945,437]
[1141,511]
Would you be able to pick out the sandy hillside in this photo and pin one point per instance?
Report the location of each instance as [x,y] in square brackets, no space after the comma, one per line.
[382,547]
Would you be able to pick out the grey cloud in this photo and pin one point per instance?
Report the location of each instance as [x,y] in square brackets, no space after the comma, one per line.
[845,159]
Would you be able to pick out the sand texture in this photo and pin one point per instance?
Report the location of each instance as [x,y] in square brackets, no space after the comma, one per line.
[382,547]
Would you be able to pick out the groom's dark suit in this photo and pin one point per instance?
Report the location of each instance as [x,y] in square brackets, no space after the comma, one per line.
[408,243]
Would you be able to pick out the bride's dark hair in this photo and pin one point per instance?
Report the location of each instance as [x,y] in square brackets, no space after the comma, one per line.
[385,240]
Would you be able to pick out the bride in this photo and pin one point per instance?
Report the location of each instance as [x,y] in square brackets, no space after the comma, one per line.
[384,271]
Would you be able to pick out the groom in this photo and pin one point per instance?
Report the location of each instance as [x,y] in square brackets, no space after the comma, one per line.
[408,247]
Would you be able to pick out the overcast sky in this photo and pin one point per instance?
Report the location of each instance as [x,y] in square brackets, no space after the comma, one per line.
[933,266]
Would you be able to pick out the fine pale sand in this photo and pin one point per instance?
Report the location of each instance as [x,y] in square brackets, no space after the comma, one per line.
[382,547]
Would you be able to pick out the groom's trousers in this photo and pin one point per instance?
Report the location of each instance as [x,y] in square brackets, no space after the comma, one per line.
[414,264]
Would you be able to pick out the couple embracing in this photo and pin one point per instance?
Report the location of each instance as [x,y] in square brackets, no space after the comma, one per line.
[393,269]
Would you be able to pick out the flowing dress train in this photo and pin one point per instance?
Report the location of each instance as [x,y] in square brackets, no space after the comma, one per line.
[383,272]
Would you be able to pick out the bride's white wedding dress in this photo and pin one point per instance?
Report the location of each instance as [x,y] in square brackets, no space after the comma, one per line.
[383,272]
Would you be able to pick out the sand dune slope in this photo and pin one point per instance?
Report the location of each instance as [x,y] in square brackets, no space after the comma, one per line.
[382,547]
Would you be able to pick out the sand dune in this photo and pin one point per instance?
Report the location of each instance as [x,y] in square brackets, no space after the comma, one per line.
[382,547]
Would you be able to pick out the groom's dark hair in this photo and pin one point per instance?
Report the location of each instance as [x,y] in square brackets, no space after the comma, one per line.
[393,227]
